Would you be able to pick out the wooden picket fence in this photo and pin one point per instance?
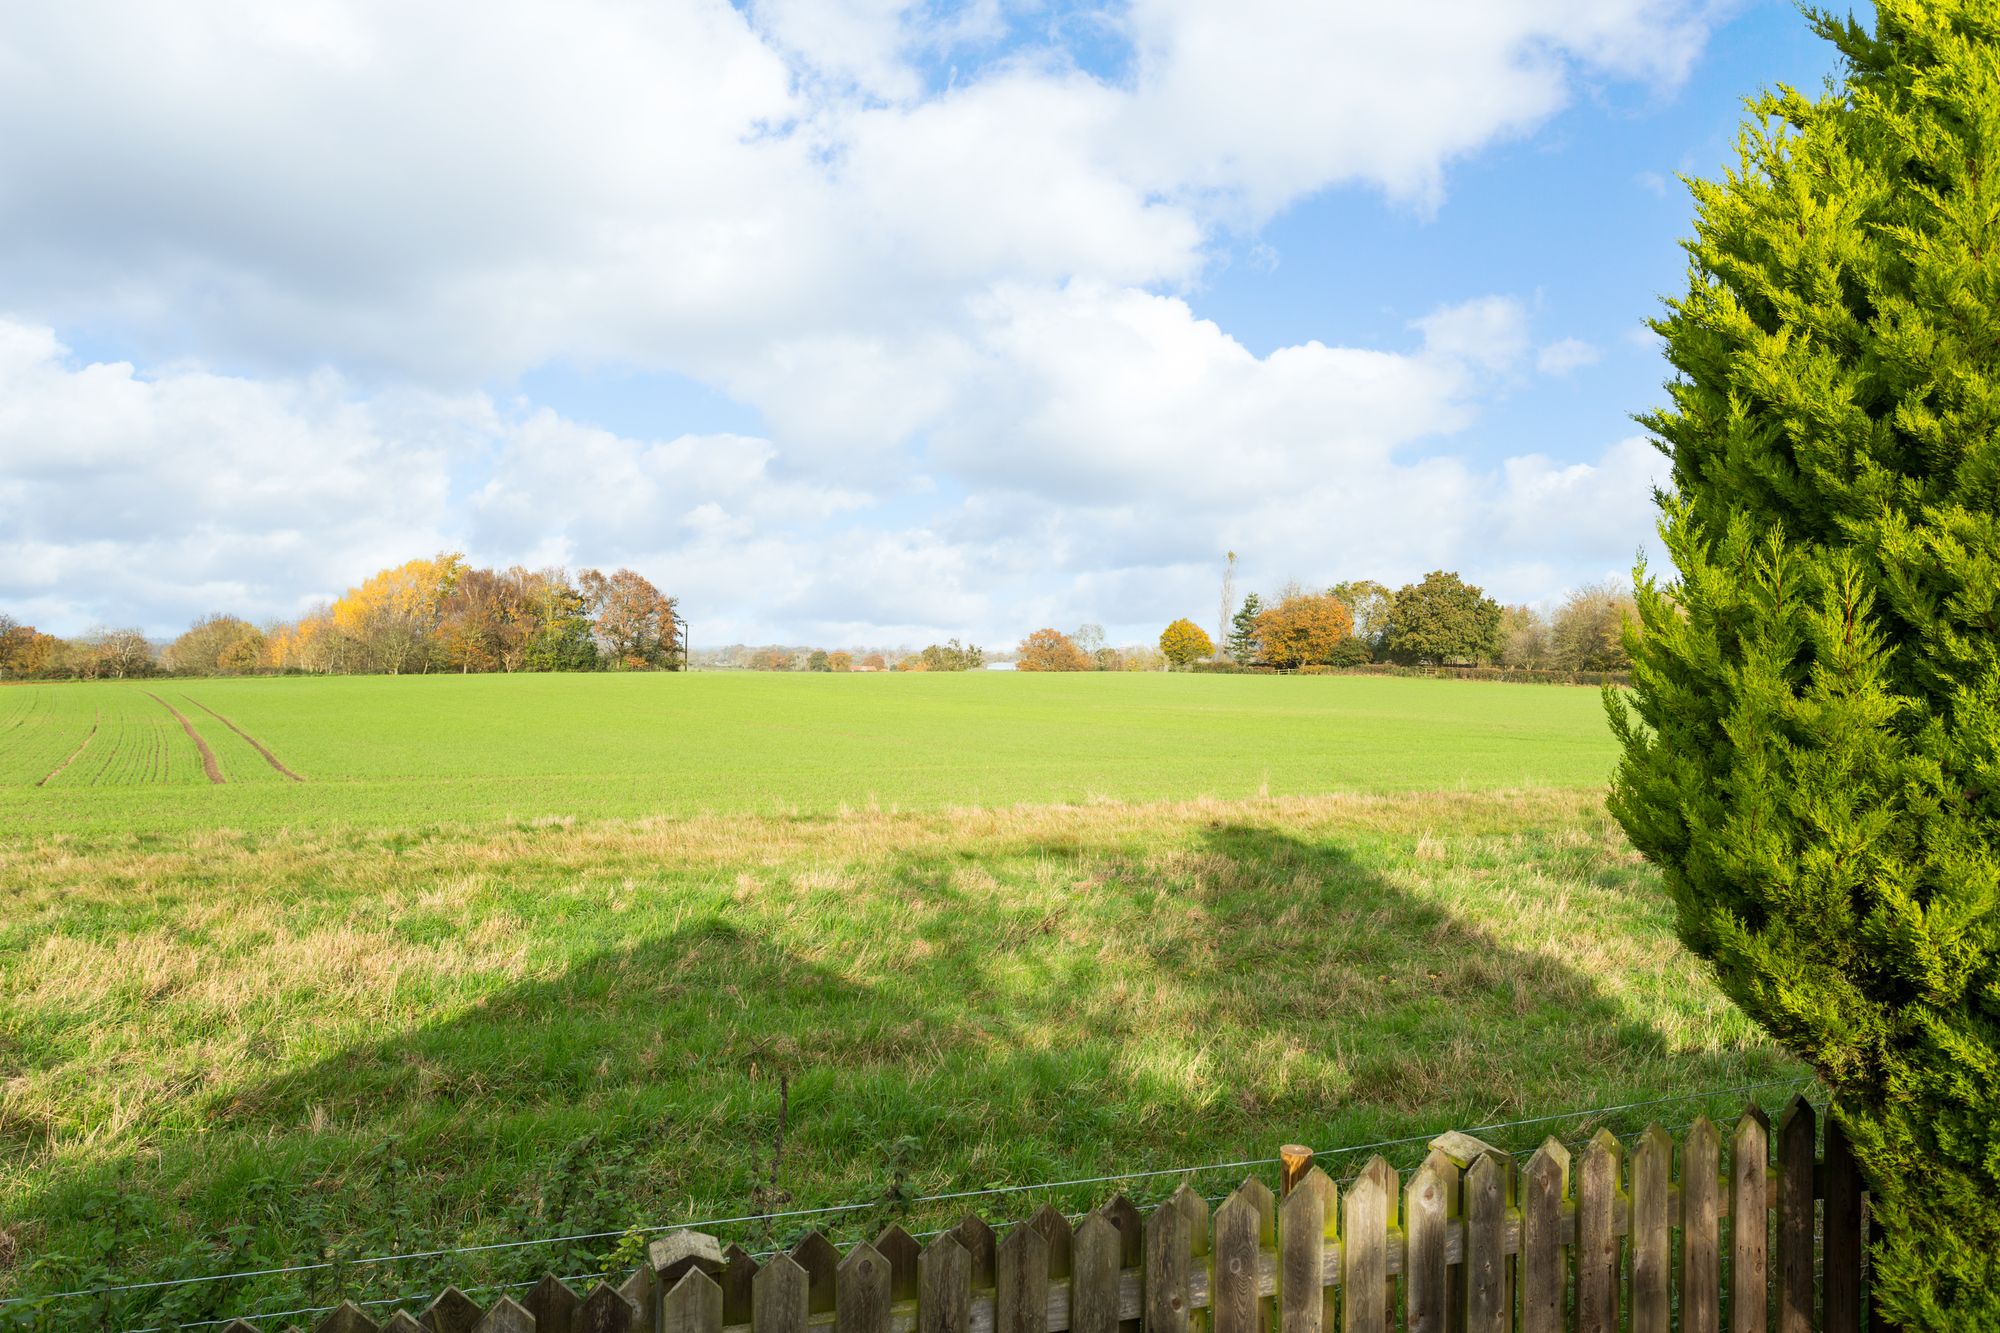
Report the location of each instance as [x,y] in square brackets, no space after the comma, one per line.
[1470,1243]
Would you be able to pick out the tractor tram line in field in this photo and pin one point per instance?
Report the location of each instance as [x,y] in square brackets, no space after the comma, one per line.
[252,741]
[96,716]
[208,764]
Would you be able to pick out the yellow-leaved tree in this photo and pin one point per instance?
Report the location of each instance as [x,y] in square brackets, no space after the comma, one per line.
[1185,643]
[392,616]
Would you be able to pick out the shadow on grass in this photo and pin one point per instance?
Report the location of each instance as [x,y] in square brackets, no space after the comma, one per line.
[994,1017]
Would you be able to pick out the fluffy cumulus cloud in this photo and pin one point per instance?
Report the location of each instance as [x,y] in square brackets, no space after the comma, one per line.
[941,254]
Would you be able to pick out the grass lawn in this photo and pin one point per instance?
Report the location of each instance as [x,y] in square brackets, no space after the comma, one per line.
[231,1049]
[409,753]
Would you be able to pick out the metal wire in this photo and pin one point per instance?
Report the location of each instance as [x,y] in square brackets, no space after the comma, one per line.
[844,1208]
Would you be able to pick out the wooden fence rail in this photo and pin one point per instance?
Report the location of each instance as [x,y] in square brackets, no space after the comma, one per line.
[1755,1234]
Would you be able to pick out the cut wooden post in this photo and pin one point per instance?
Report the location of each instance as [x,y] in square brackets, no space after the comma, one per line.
[1544,1259]
[1430,1213]
[1652,1241]
[1021,1282]
[1168,1266]
[861,1292]
[944,1287]
[1095,1258]
[902,1251]
[1364,1258]
[1487,1190]
[1294,1160]
[1841,1226]
[452,1312]
[506,1316]
[552,1304]
[739,1275]
[780,1297]
[1701,1207]
[1749,1222]
[347,1317]
[1234,1300]
[693,1304]
[605,1311]
[1597,1256]
[1307,1219]
[676,1252]
[821,1261]
[1797,1156]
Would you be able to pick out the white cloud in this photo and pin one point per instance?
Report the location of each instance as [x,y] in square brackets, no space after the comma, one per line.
[946,270]
[1565,355]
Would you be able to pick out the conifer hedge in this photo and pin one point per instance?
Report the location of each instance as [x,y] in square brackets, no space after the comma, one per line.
[1812,741]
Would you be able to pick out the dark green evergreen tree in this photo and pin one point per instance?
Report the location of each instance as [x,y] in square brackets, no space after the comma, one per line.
[1242,645]
[1812,743]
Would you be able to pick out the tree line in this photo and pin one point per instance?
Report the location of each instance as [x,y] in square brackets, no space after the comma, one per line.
[426,615]
[1440,620]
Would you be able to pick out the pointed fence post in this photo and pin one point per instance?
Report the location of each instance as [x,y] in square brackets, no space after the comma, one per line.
[861,1292]
[1430,1214]
[553,1305]
[1095,1262]
[1544,1259]
[738,1278]
[1364,1253]
[347,1317]
[1489,1189]
[821,1261]
[780,1297]
[1241,1226]
[505,1316]
[1701,1206]
[1798,1149]
[1841,1224]
[1308,1219]
[1021,1282]
[1169,1264]
[1598,1195]
[944,1287]
[452,1312]
[692,1305]
[1749,1222]
[1652,1240]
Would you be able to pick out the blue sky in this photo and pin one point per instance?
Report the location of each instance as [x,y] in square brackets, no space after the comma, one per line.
[848,321]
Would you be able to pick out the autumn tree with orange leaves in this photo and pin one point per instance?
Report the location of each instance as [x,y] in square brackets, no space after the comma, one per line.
[1050,650]
[1304,629]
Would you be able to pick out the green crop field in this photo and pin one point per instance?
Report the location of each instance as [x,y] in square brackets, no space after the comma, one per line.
[381,751]
[446,961]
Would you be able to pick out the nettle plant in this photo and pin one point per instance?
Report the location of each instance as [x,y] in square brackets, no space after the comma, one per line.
[1812,740]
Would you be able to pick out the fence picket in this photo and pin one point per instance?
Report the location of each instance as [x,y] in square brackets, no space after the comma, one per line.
[1094,1265]
[1364,1259]
[900,1251]
[1701,1206]
[979,1242]
[399,1322]
[1131,1244]
[739,1273]
[1233,1296]
[780,1297]
[452,1312]
[1749,1222]
[1652,1245]
[693,1305]
[1392,1238]
[506,1316]
[1021,1282]
[553,1305]
[1168,1267]
[1430,1208]
[821,1261]
[347,1317]
[944,1287]
[1489,1307]
[1597,1248]
[605,1311]
[1797,1146]
[861,1292]
[1306,1218]
[1841,1225]
[1544,1259]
